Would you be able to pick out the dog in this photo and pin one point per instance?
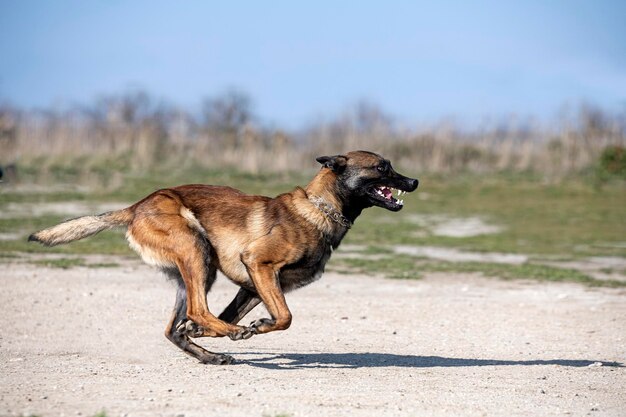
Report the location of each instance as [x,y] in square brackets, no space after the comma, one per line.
[267,246]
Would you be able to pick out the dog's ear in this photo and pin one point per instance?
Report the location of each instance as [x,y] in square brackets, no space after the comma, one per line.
[337,163]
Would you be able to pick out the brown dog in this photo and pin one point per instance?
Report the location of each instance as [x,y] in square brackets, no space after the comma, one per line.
[267,246]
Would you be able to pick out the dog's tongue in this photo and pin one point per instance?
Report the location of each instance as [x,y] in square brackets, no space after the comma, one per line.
[387,192]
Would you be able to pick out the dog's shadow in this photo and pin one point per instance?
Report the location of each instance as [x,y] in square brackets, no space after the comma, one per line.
[376,360]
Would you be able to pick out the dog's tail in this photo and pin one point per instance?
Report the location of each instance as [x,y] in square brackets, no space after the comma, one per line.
[82,227]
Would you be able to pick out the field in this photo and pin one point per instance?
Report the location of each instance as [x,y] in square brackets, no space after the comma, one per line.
[486,295]
[506,226]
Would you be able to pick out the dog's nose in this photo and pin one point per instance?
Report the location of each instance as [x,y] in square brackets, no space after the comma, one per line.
[413,183]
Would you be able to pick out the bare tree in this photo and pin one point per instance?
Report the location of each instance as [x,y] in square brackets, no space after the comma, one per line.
[228,113]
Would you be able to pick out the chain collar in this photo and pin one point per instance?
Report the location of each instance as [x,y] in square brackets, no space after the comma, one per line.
[330,211]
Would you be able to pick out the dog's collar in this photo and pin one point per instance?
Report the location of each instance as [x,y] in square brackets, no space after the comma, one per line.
[329,211]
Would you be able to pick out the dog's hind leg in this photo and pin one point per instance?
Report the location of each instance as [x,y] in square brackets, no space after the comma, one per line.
[170,236]
[182,340]
[192,268]
[242,304]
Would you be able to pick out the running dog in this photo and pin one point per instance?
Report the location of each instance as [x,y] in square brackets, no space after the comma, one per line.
[267,246]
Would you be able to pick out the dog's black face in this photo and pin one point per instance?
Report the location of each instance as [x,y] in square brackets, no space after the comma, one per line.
[368,179]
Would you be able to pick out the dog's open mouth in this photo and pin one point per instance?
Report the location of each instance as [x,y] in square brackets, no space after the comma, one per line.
[383,194]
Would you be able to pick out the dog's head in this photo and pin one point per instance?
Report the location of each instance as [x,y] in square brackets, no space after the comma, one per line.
[368,178]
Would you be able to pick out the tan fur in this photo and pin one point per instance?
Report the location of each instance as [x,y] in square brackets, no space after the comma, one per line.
[192,221]
[82,227]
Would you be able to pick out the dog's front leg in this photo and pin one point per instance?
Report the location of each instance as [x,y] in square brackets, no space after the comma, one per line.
[268,287]
[265,278]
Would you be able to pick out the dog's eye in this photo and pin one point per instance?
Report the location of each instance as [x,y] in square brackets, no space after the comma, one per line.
[382,168]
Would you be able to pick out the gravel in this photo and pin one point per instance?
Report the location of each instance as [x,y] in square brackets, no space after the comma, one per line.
[79,341]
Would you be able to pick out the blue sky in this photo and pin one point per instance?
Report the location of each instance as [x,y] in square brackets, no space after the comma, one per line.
[420,61]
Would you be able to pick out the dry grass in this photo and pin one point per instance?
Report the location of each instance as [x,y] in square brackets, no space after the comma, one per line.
[133,133]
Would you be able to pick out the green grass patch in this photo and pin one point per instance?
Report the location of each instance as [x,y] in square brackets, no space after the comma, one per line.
[63,263]
[397,266]
[135,186]
[67,263]
[110,242]
[408,267]
[572,218]
[523,271]
[21,223]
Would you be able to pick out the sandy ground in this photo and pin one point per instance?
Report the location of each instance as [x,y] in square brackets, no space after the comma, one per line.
[75,342]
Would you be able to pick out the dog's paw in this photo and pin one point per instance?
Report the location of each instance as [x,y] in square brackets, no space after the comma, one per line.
[217,359]
[257,326]
[189,328]
[242,334]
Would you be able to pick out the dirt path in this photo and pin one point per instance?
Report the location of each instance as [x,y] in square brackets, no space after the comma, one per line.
[74,342]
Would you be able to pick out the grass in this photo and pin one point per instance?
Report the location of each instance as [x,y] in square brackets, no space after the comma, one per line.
[108,243]
[568,220]
[67,263]
[63,263]
[572,218]
[408,267]
[523,271]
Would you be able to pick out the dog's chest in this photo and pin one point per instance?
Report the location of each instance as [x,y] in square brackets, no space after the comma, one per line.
[308,269]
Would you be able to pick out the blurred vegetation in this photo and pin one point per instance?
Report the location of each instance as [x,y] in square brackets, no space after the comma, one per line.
[133,132]
[612,163]
[554,193]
